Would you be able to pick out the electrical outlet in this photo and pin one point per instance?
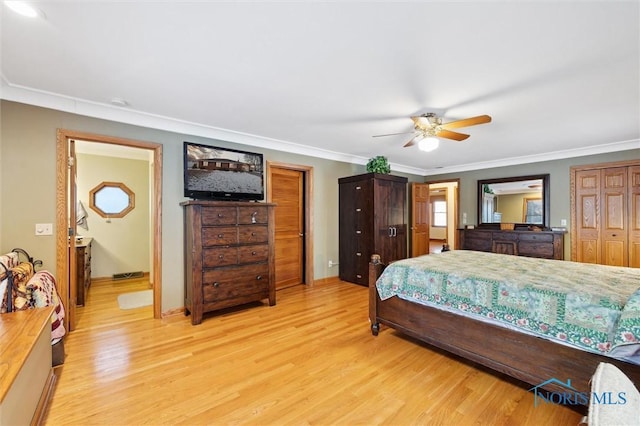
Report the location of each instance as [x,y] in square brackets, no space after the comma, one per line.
[563,222]
[44,229]
[331,264]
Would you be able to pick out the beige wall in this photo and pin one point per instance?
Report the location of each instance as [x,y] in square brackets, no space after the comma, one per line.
[28,176]
[28,184]
[559,185]
[119,244]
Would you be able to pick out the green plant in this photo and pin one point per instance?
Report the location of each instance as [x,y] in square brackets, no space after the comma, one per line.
[378,164]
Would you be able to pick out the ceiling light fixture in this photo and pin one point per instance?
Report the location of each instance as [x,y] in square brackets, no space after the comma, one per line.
[24,9]
[428,144]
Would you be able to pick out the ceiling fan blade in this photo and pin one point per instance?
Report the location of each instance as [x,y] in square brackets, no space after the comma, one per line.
[391,134]
[444,133]
[481,119]
[410,143]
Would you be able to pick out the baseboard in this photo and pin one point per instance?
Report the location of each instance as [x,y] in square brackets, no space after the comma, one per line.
[145,275]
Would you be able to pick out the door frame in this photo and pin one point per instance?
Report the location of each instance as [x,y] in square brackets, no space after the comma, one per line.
[456,203]
[307,172]
[62,201]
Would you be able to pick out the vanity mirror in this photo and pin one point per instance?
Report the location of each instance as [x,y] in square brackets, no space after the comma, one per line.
[521,200]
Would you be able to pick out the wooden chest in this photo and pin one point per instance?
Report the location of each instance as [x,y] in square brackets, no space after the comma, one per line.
[229,255]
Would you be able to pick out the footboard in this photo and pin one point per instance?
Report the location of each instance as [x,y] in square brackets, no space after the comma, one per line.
[526,357]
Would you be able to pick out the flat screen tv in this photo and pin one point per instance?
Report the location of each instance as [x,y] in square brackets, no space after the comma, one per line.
[215,173]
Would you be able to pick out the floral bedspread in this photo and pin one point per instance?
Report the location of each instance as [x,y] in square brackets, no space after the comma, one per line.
[594,307]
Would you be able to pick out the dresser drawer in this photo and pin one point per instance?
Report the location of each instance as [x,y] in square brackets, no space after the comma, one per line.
[253,253]
[248,215]
[234,282]
[219,216]
[219,256]
[219,236]
[505,236]
[253,234]
[536,237]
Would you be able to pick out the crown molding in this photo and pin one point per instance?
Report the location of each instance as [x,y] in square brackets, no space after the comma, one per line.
[27,95]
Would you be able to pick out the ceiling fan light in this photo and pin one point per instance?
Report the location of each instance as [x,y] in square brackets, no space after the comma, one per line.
[428,144]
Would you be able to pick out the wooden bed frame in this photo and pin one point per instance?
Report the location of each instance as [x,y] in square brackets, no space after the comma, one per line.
[528,358]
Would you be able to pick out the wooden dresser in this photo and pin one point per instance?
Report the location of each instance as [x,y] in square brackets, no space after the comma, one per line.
[543,244]
[26,377]
[229,255]
[83,269]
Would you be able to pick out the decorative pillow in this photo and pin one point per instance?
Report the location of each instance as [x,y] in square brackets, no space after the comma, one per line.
[21,274]
[615,401]
[9,260]
[43,291]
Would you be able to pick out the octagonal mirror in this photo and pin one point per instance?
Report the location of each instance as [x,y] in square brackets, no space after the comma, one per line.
[112,199]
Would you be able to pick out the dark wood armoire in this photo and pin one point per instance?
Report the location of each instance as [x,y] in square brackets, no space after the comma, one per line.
[373,210]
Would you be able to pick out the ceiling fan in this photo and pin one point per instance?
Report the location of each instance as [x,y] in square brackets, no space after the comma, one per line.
[428,127]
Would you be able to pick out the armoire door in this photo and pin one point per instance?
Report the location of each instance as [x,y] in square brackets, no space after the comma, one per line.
[391,229]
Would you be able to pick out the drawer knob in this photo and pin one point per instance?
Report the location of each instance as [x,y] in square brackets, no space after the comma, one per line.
[216,284]
[259,277]
[253,234]
[221,256]
[358,276]
[220,215]
[253,253]
[220,235]
[358,232]
[358,254]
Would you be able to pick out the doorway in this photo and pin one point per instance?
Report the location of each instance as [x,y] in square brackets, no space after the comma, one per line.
[434,216]
[66,222]
[289,186]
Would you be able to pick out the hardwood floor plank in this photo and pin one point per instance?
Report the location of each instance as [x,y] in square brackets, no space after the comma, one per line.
[311,359]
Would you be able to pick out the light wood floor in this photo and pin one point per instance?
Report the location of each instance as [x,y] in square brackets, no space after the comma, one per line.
[311,359]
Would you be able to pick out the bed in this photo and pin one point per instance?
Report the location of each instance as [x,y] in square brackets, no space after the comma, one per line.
[540,321]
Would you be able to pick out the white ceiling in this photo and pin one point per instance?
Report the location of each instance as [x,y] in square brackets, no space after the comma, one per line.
[559,78]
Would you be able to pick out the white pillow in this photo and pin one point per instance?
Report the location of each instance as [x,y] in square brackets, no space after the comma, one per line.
[614,399]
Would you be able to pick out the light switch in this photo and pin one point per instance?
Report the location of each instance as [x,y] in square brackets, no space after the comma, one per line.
[44,229]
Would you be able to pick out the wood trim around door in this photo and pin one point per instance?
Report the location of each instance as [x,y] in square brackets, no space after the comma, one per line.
[308,211]
[62,200]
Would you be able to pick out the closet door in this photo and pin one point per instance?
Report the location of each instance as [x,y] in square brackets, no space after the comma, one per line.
[614,217]
[634,215]
[587,220]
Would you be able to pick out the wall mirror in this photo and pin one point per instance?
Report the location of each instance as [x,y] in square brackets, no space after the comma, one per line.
[112,199]
[522,200]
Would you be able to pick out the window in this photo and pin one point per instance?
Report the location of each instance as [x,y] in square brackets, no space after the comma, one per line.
[111,199]
[440,213]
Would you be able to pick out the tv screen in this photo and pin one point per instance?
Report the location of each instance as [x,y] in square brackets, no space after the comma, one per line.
[214,173]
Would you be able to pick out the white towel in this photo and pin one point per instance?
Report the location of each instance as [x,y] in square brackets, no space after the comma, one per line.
[81,216]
